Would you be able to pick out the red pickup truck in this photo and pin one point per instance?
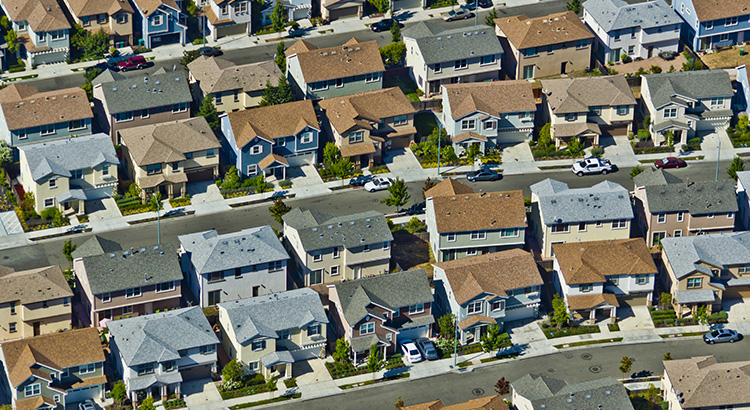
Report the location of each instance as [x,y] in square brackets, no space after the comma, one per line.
[133,62]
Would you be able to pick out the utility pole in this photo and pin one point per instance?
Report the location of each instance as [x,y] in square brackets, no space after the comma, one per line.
[203,26]
[455,342]
[440,137]
[718,158]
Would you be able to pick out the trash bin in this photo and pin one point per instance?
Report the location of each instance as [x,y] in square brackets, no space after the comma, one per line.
[742,52]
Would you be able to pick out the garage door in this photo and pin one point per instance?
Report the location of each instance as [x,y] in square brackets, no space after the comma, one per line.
[231,30]
[402,141]
[519,313]
[614,131]
[206,174]
[737,292]
[414,333]
[513,137]
[196,373]
[298,160]
[84,393]
[633,300]
[344,12]
[306,354]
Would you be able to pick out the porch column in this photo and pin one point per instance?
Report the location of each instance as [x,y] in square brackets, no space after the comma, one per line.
[133,397]
[385,352]
[177,390]
[164,392]
[355,358]
[288,372]
[613,314]
[592,316]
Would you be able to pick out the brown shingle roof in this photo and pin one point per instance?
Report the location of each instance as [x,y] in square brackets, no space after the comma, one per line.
[575,95]
[35,109]
[448,186]
[156,180]
[270,159]
[352,58]
[34,403]
[273,121]
[474,319]
[354,150]
[719,9]
[582,302]
[42,15]
[217,75]
[91,7]
[147,7]
[468,135]
[344,113]
[34,285]
[590,262]
[168,141]
[483,403]
[301,46]
[492,98]
[483,211]
[492,273]
[700,378]
[525,32]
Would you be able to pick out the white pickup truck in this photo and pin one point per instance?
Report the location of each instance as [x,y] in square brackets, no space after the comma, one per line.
[588,166]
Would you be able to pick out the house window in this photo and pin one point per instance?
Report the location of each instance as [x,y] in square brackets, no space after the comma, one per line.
[418,308]
[133,292]
[45,304]
[366,248]
[256,149]
[253,366]
[560,228]
[334,270]
[158,20]
[612,280]
[528,71]
[275,266]
[316,277]
[207,349]
[355,137]
[335,252]
[215,276]
[474,308]
[585,287]
[632,33]
[57,35]
[478,235]
[259,345]
[76,125]
[240,8]
[87,368]
[217,99]
[124,116]
[12,308]
[595,110]
[53,183]
[731,21]
[153,169]
[487,60]
[631,50]
[48,129]
[623,110]
[670,113]
[530,52]
[372,77]
[399,120]
[694,283]
[175,166]
[165,286]
[471,252]
[710,216]
[314,330]
[366,328]
[106,297]
[582,227]
[717,101]
[661,218]
[581,43]
[619,224]
[641,279]
[680,216]
[146,368]
[85,21]
[571,117]
[122,19]
[339,82]
[508,233]
[451,237]
[461,64]
[468,124]
[12,327]
[489,125]
[319,86]
[21,134]
[307,138]
[168,366]
[145,113]
[317,257]
[181,107]
[678,233]
[48,202]
[32,390]
[56,398]
[498,305]
[126,310]
[709,25]
[279,142]
[224,9]
[76,174]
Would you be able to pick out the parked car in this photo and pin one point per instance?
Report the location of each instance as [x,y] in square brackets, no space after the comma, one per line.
[427,348]
[295,31]
[722,335]
[132,63]
[101,66]
[378,184]
[483,175]
[458,14]
[670,162]
[86,405]
[410,351]
[210,51]
[471,5]
[383,25]
[360,180]
[592,165]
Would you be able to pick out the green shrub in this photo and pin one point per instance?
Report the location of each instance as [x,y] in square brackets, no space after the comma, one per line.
[48,213]
[597,151]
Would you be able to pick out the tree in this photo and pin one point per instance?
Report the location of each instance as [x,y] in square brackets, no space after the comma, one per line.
[331,153]
[652,394]
[78,37]
[5,23]
[279,209]
[155,202]
[341,354]
[278,17]
[208,111]
[701,315]
[414,225]
[118,392]
[280,94]
[381,5]
[393,54]
[188,57]
[626,364]
[6,154]
[545,136]
[89,76]
[68,249]
[472,153]
[575,147]
[665,299]
[374,361]
[191,8]
[502,386]
[231,179]
[399,194]
[736,166]
[147,404]
[489,19]
[491,340]
[574,6]
[399,403]
[448,153]
[233,371]
[560,315]
[95,45]
[428,184]
[134,191]
[447,326]
[667,356]
[395,32]
[742,123]
[280,57]
[691,64]
[11,39]
[635,171]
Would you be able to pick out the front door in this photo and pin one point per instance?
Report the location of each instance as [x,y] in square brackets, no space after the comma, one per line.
[563,67]
[37,328]
[650,51]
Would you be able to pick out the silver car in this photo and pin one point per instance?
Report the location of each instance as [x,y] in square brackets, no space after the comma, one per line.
[427,348]
[722,335]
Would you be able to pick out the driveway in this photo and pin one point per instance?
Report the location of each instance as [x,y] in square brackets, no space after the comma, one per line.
[618,150]
[517,159]
[10,224]
[310,371]
[200,392]
[634,318]
[304,176]
[204,191]
[403,164]
[101,209]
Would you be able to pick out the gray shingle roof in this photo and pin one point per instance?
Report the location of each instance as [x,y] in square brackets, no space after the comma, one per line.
[96,245]
[211,252]
[320,230]
[142,92]
[449,45]
[617,14]
[547,393]
[695,296]
[275,358]
[160,336]
[128,269]
[696,197]
[605,201]
[140,383]
[390,291]
[724,249]
[264,316]
[59,157]
[692,84]
[653,176]
[744,178]
[363,343]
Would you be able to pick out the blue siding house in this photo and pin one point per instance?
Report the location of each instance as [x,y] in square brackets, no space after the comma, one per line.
[159,22]
[42,29]
[713,23]
[271,139]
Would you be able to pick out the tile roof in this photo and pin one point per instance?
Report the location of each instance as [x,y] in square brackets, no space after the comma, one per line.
[42,15]
[655,176]
[617,14]
[34,285]
[215,74]
[56,350]
[351,59]
[575,95]
[663,88]
[272,121]
[24,106]
[92,7]
[555,394]
[492,98]
[156,180]
[60,157]
[591,262]
[265,316]
[96,245]
[320,230]
[493,273]
[576,129]
[358,149]
[160,336]
[686,253]
[272,158]
[605,201]
[696,197]
[483,403]
[347,112]
[524,32]
[34,403]
[708,10]
[168,141]
[482,211]
[160,89]
[449,187]
[147,7]
[700,378]
[437,45]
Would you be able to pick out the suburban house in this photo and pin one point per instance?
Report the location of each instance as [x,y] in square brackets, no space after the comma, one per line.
[164,157]
[121,102]
[30,116]
[598,277]
[224,18]
[640,30]
[268,334]
[667,206]
[233,87]
[269,140]
[483,403]
[684,102]
[329,249]
[43,30]
[64,174]
[160,22]
[335,9]
[586,108]
[703,383]
[365,125]
[55,370]
[134,282]
[544,46]
[493,288]
[351,68]
[115,17]
[713,23]
[468,224]
[155,354]
[237,265]
[436,56]
[539,392]
[96,245]
[34,302]
[743,199]
[381,311]
[704,270]
[561,214]
[294,9]
[448,187]
[490,114]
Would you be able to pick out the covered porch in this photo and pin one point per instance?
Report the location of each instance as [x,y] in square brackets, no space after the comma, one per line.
[274,165]
[586,132]
[687,302]
[170,186]
[362,155]
[277,364]
[681,131]
[472,328]
[462,142]
[157,386]
[71,202]
[589,307]
[361,347]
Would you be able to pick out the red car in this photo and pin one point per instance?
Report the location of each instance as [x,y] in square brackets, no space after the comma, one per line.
[670,162]
[132,63]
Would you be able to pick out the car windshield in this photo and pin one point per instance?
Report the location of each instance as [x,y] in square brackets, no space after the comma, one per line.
[715,333]
[413,352]
[665,160]
[429,349]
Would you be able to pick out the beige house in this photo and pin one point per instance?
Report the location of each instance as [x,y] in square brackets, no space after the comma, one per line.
[703,383]
[667,206]
[483,403]
[365,125]
[34,302]
[164,157]
[335,9]
[544,46]
[587,108]
[233,87]
[115,17]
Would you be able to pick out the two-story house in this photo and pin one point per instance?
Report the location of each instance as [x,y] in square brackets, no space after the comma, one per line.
[159,22]
[586,108]
[121,102]
[43,30]
[329,249]
[30,116]
[448,186]
[640,30]
[540,392]
[64,174]
[237,265]
[115,17]
[294,9]
[600,276]
[561,214]
[494,402]
[233,87]
[471,224]
[268,334]
[56,370]
[155,354]
[704,383]
[436,56]
[34,302]
[224,17]
[364,125]
[685,102]
[354,67]
[712,23]
[269,140]
[743,199]
[164,157]
[489,113]
[488,289]
[335,9]
[544,46]
[134,282]
[667,207]
[381,311]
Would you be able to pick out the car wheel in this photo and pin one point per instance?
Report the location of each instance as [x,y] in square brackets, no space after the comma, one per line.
[604,172]
[579,173]
[711,342]
[731,340]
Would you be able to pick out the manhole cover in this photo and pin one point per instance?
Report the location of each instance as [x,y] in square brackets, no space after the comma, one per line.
[477,392]
[550,370]
[595,369]
[568,356]
[586,356]
[632,359]
[6,257]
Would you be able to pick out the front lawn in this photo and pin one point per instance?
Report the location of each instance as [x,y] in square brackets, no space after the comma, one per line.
[552,332]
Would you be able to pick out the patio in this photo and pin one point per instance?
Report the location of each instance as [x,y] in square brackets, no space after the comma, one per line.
[633,66]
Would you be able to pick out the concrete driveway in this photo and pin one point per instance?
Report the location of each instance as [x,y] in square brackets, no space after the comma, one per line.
[310,371]
[517,159]
[403,164]
[200,392]
[102,209]
[634,318]
[204,191]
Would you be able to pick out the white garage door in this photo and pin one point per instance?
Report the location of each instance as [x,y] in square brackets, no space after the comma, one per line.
[414,333]
[301,159]
[88,392]
[519,313]
[512,137]
[306,354]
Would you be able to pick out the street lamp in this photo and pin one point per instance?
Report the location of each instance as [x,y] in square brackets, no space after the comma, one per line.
[440,138]
[455,342]
[203,26]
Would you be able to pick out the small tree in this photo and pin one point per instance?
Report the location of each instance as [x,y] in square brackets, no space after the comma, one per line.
[5,23]
[147,404]
[414,225]
[393,54]
[489,19]
[134,191]
[119,393]
[191,8]
[155,202]
[472,153]
[428,184]
[11,39]
[95,45]
[491,340]
[742,123]
[279,94]
[545,136]
[502,387]
[208,111]
[736,166]
[342,168]
[341,354]
[374,361]
[279,209]
[399,194]
[575,147]
[233,371]
[665,299]
[701,315]
[447,326]
[6,154]
[395,32]
[399,403]
[331,153]
[635,171]
[68,249]
[381,5]
[560,315]
[280,57]
[574,6]
[652,394]
[667,356]
[626,364]
[188,57]
[278,17]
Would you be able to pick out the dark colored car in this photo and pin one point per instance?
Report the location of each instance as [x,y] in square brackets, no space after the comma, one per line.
[360,180]
[210,51]
[471,5]
[670,162]
[100,66]
[383,25]
[483,175]
[132,63]
[722,335]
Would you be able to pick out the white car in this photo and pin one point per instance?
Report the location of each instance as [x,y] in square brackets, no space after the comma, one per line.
[87,405]
[378,184]
[588,166]
[410,351]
